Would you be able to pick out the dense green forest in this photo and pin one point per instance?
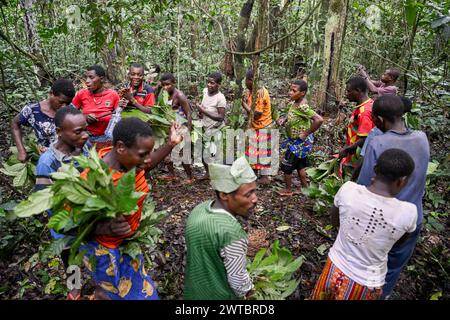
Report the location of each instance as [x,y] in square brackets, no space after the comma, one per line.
[323,41]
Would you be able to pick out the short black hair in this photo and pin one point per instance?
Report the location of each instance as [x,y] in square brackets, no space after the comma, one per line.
[63,86]
[157,68]
[63,112]
[394,164]
[217,76]
[98,70]
[232,192]
[167,77]
[129,129]
[357,83]
[250,74]
[302,85]
[137,65]
[407,104]
[394,73]
[389,107]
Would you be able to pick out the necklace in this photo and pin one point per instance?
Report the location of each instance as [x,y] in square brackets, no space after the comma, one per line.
[96,100]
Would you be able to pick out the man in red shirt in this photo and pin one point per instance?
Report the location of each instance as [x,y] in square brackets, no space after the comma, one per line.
[360,122]
[135,93]
[97,102]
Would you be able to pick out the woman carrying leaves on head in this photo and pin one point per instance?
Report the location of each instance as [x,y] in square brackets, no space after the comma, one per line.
[98,104]
[117,274]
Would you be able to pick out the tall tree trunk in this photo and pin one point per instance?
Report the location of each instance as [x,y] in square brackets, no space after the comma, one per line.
[329,88]
[260,42]
[410,46]
[34,43]
[244,21]
[115,58]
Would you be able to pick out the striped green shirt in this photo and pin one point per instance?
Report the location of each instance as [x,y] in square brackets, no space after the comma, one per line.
[208,232]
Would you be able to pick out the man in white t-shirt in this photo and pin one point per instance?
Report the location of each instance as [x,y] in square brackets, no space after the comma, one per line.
[371,221]
[212,112]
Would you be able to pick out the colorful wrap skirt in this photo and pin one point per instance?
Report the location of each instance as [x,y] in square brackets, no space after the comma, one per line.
[300,148]
[333,284]
[260,149]
[120,276]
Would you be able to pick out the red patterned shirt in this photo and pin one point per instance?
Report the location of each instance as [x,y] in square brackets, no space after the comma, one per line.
[360,124]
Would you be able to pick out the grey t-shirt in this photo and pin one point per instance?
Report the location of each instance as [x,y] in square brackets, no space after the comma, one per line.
[415,143]
[211,104]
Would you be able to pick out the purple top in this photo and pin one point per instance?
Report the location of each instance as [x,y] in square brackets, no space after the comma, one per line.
[382,89]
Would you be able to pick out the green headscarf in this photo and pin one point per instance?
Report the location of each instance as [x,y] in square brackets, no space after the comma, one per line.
[229,178]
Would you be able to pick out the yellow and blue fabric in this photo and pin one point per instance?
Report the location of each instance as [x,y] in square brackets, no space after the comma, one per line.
[119,275]
[300,148]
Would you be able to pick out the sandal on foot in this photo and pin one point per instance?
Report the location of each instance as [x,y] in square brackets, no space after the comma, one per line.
[70,296]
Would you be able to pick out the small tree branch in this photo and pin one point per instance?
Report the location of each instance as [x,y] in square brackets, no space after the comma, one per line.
[268,46]
[32,57]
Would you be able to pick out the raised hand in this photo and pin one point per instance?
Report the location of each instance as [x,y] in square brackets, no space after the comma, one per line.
[175,136]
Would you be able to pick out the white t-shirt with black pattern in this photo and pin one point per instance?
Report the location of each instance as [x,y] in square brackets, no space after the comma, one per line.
[370,225]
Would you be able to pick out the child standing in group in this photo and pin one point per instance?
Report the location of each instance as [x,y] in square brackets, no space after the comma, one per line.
[371,222]
[301,122]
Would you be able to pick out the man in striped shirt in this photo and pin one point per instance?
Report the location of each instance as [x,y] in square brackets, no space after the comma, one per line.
[216,243]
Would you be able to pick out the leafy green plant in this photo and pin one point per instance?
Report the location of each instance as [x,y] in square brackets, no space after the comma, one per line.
[326,182]
[433,223]
[273,274]
[435,172]
[160,119]
[147,235]
[78,202]
[327,168]
[23,173]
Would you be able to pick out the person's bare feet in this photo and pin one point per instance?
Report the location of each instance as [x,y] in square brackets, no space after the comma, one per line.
[75,294]
[285,192]
[167,178]
[264,180]
[205,177]
[100,294]
[187,181]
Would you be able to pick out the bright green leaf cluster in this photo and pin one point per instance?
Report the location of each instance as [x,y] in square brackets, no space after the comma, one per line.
[77,202]
[272,275]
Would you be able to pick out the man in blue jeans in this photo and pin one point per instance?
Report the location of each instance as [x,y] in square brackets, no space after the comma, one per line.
[387,115]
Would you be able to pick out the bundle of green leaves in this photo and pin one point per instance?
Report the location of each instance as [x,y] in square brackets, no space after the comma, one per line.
[160,119]
[326,182]
[325,169]
[147,235]
[297,124]
[272,275]
[23,173]
[77,202]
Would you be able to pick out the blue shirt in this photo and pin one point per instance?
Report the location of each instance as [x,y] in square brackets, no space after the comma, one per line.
[372,134]
[50,161]
[44,126]
[415,143]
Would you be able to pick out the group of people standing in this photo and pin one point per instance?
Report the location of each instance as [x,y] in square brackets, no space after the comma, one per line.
[379,215]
